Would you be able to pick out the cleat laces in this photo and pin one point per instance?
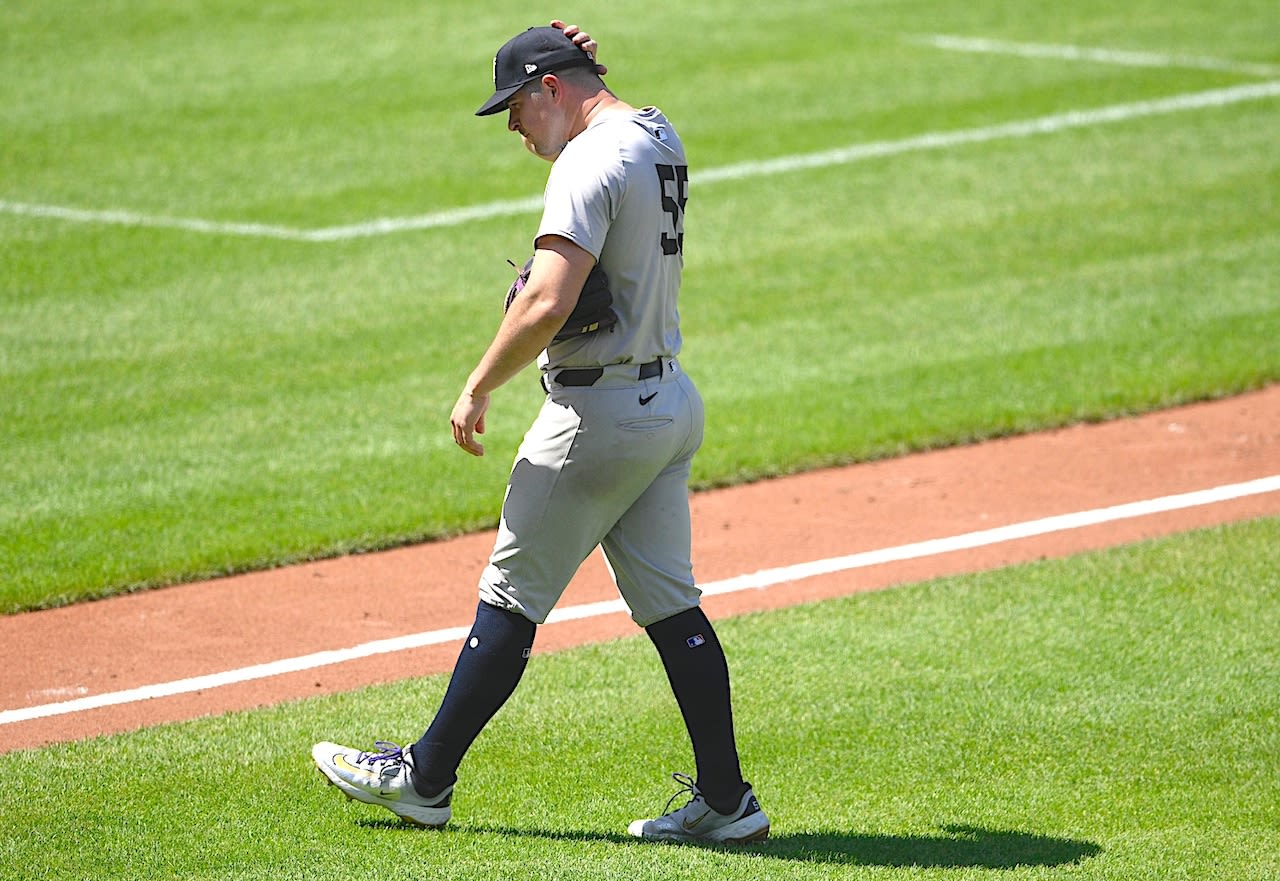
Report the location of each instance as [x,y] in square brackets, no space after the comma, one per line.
[687,786]
[384,752]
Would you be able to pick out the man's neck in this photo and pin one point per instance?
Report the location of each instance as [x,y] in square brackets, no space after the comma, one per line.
[601,104]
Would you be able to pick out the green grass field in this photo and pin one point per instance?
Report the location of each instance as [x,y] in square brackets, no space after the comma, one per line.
[1110,716]
[179,404]
[201,373]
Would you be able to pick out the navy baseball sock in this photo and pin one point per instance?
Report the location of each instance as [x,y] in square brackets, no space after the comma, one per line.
[488,669]
[699,676]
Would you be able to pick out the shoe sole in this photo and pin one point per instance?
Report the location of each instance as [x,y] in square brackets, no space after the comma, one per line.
[747,833]
[427,818]
[749,838]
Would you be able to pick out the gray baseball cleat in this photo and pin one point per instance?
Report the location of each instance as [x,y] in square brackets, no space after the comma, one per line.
[382,778]
[698,821]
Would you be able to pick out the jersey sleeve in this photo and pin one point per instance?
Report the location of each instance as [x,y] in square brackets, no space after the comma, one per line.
[583,193]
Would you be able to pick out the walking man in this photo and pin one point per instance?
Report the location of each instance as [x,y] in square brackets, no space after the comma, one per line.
[607,460]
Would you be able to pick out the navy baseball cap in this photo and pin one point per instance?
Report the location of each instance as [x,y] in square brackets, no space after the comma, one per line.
[526,57]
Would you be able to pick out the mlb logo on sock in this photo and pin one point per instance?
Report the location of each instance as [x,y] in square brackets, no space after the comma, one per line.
[696,640]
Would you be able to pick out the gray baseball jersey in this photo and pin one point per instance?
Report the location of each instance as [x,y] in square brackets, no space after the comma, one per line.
[618,192]
[607,460]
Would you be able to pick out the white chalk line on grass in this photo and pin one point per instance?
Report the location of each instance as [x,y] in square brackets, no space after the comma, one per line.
[383,226]
[760,580]
[1021,129]
[1043,125]
[1100,56]
[131,218]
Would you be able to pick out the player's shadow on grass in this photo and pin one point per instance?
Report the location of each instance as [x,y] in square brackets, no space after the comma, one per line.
[956,847]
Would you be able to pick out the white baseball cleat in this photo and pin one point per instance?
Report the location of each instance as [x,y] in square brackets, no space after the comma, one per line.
[382,778]
[698,821]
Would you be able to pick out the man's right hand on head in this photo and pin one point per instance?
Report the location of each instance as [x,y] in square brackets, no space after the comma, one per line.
[582,40]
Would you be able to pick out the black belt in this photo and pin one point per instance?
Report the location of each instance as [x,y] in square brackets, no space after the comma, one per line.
[584,376]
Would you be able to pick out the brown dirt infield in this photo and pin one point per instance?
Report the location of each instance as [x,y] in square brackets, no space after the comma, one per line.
[160,636]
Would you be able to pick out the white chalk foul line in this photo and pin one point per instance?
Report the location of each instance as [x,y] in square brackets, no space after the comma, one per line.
[760,580]
[1099,56]
[739,171]
[997,535]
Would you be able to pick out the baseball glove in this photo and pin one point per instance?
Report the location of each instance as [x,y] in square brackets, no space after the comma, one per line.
[594,311]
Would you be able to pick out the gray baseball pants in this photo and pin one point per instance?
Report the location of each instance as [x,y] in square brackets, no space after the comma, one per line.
[602,464]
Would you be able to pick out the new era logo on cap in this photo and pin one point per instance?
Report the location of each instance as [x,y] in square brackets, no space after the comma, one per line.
[530,68]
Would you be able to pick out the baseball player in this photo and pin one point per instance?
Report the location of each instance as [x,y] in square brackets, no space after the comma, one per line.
[607,460]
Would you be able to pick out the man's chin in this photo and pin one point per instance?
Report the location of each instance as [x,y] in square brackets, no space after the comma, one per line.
[551,156]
